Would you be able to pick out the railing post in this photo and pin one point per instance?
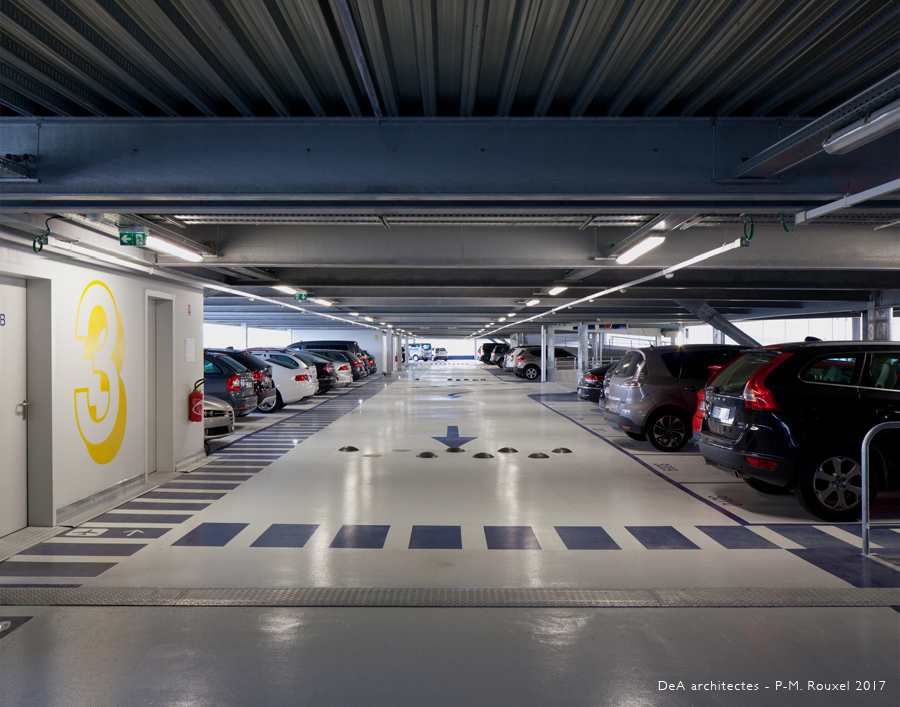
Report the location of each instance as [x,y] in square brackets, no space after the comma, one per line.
[865,479]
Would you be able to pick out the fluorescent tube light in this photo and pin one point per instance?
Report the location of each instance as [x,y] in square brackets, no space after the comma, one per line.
[502,319]
[872,127]
[106,258]
[324,302]
[532,302]
[557,290]
[163,246]
[284,288]
[353,314]
[511,315]
[638,249]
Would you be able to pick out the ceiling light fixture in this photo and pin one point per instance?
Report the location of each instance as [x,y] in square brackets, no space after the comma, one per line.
[556,290]
[511,315]
[864,130]
[532,302]
[354,314]
[502,319]
[163,246]
[284,288]
[638,249]
[324,302]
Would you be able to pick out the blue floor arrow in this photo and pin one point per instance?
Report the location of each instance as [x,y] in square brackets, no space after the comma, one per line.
[453,439]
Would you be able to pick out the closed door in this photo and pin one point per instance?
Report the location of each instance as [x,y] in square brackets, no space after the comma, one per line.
[13,425]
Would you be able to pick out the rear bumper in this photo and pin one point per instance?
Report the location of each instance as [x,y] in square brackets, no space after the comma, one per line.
[733,460]
[589,393]
[623,423]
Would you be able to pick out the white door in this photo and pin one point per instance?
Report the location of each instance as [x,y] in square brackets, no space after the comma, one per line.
[13,429]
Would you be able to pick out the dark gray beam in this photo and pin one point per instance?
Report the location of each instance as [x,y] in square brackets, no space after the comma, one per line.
[516,53]
[473,50]
[36,91]
[423,37]
[807,142]
[346,19]
[570,35]
[717,321]
[17,102]
[371,18]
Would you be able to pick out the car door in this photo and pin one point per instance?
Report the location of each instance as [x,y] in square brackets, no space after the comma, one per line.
[695,372]
[879,394]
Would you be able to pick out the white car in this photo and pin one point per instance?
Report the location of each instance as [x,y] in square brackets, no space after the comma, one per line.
[294,380]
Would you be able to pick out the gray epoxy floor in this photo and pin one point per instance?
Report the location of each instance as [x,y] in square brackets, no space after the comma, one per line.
[384,517]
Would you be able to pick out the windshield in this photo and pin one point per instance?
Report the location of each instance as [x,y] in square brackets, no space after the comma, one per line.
[732,380]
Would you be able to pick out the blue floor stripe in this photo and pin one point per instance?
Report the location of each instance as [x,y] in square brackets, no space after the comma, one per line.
[199,486]
[211,535]
[133,533]
[848,564]
[89,549]
[159,506]
[736,537]
[138,518]
[435,537]
[361,536]
[285,535]
[809,537]
[660,537]
[54,569]
[203,476]
[585,537]
[186,496]
[511,537]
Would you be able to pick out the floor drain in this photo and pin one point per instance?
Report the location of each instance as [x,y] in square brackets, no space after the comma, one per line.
[454,450]
[507,450]
[426,455]
[538,455]
[562,450]
[348,449]
[401,450]
[371,455]
[482,455]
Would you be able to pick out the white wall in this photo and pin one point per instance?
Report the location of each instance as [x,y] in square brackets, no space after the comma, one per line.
[76,474]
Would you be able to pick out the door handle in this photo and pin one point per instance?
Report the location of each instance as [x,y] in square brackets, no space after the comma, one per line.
[24,405]
[693,390]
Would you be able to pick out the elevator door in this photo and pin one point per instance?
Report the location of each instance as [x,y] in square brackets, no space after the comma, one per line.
[13,414]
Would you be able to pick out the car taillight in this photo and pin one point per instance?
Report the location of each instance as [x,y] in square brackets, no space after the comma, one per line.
[356,364]
[756,395]
[343,368]
[761,463]
[519,360]
[700,414]
[590,378]
[301,377]
[329,368]
[233,383]
[259,375]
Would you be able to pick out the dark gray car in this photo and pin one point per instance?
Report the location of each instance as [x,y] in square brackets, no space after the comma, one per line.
[230,381]
[652,392]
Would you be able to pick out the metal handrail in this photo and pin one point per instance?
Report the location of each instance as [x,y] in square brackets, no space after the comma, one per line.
[865,479]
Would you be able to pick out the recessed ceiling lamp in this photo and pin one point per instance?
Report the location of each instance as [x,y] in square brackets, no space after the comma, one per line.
[511,315]
[502,319]
[163,246]
[284,288]
[324,302]
[353,314]
[556,290]
[532,302]
[638,249]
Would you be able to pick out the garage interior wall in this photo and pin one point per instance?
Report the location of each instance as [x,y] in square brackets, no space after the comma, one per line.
[98,335]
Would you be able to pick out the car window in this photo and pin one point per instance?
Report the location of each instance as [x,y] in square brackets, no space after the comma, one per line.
[732,380]
[695,365]
[563,353]
[884,371]
[286,361]
[836,370]
[673,362]
[628,365]
[211,367]
[228,362]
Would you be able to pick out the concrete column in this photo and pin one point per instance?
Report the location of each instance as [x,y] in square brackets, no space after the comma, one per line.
[384,352]
[551,353]
[601,338]
[582,350]
[595,348]
[857,328]
[880,320]
[543,353]
[244,336]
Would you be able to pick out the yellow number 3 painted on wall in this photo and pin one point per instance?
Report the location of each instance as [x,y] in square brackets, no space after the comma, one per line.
[100,408]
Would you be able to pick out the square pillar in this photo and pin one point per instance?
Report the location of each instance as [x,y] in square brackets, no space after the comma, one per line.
[543,353]
[551,353]
[582,350]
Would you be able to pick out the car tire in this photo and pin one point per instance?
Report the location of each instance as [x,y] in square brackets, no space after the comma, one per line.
[766,487]
[828,481]
[276,404]
[416,357]
[669,430]
[531,373]
[636,436]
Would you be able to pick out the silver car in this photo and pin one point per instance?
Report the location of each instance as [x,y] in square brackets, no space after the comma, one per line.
[528,362]
[652,392]
[218,418]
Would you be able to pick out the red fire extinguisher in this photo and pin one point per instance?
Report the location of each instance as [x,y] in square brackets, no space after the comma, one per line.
[195,401]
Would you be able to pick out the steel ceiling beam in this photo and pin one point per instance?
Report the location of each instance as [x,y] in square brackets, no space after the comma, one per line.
[36,91]
[570,35]
[715,319]
[370,13]
[830,90]
[17,102]
[423,38]
[473,49]
[516,53]
[346,19]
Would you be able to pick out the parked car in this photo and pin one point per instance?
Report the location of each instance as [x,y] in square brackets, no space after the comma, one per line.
[218,418]
[230,381]
[497,354]
[420,352]
[591,386]
[441,354]
[484,352]
[371,364]
[266,393]
[509,358]
[793,417]
[652,392]
[528,362]
[326,375]
[294,379]
[330,345]
[357,369]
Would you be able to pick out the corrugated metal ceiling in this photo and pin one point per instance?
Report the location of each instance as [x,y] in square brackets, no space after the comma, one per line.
[442,57]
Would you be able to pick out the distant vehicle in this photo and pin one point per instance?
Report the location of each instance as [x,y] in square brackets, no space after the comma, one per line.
[294,379]
[325,370]
[266,393]
[230,381]
[498,353]
[793,417]
[331,345]
[420,352]
[528,362]
[591,386]
[357,369]
[369,360]
[484,352]
[652,392]
[441,354]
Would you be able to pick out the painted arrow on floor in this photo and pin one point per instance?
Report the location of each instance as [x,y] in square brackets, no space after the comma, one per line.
[453,439]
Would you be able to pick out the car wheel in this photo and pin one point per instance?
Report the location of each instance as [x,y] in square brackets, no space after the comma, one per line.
[531,373]
[828,484]
[766,487]
[273,404]
[415,358]
[636,435]
[668,430]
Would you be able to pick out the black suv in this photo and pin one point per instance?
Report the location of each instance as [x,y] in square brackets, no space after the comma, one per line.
[259,369]
[793,416]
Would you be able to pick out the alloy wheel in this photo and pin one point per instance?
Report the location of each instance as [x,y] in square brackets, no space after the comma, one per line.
[669,431]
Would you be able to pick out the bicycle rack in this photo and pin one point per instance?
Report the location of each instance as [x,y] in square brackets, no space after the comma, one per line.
[865,479]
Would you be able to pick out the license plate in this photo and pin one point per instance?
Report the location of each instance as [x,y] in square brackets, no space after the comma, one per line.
[723,415]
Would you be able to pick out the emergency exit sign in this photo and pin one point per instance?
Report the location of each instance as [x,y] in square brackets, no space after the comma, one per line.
[132,237]
[300,295]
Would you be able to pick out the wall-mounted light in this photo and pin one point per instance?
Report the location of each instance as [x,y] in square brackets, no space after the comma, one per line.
[638,249]
[164,246]
[556,290]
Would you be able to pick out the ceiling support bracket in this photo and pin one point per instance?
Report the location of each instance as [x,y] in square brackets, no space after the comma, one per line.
[716,320]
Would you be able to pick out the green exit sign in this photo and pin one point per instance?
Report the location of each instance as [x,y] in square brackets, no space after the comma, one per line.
[132,237]
[300,296]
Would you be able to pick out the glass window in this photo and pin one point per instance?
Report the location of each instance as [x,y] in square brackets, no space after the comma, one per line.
[228,362]
[673,362]
[629,364]
[884,371]
[733,379]
[285,361]
[696,363]
[210,367]
[836,370]
[563,353]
